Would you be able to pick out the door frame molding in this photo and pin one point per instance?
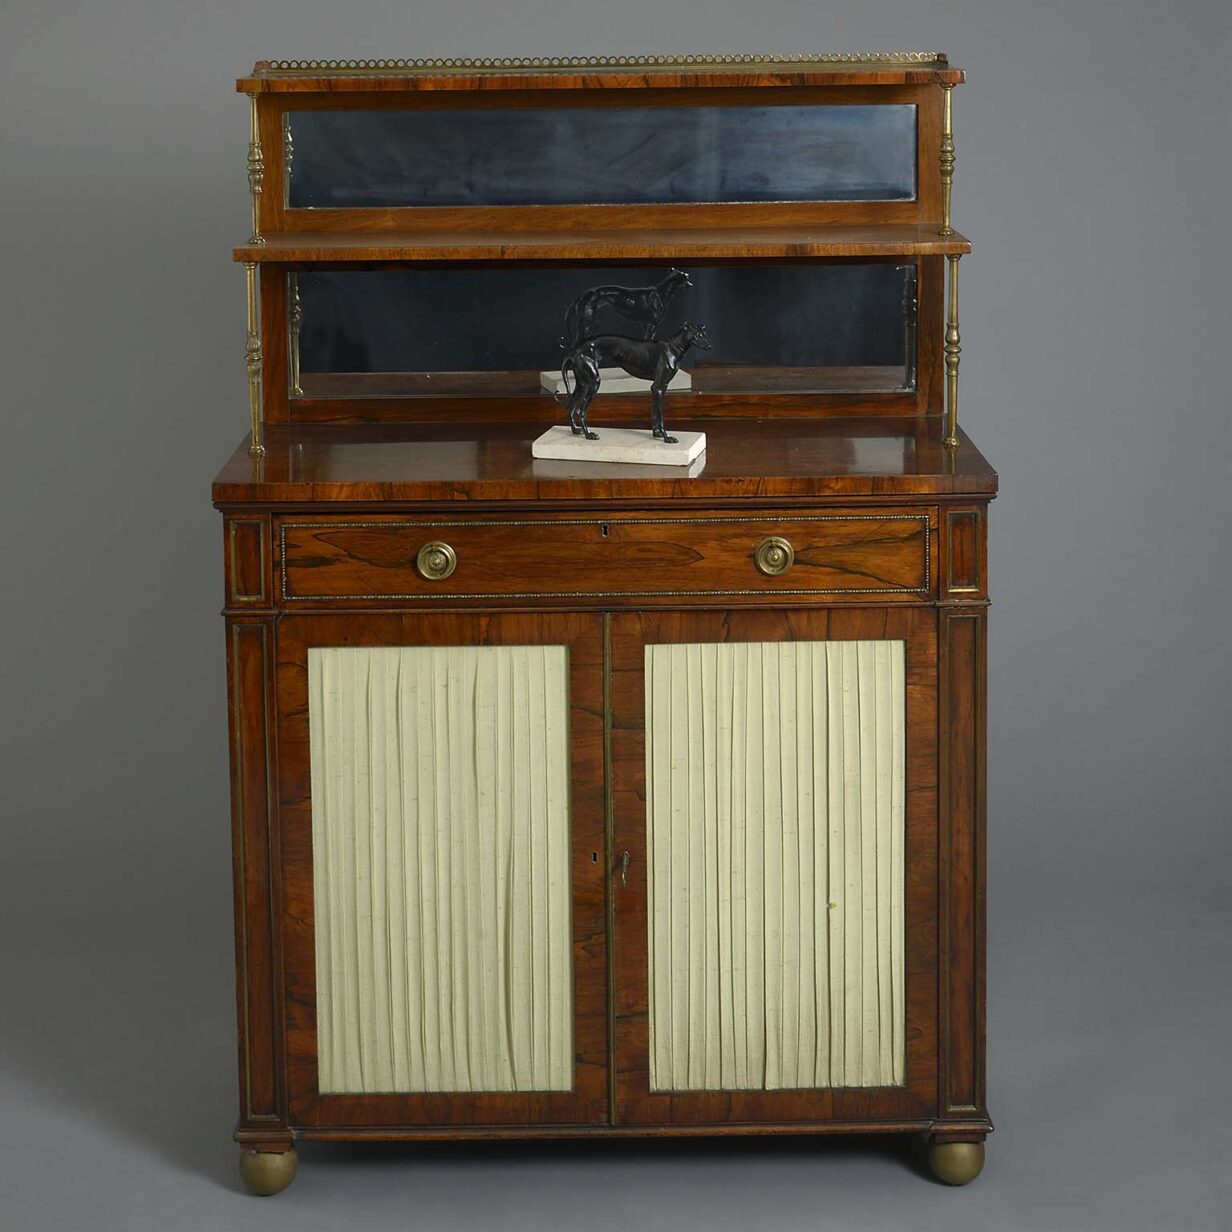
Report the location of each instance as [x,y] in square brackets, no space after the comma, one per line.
[634,1104]
[586,1104]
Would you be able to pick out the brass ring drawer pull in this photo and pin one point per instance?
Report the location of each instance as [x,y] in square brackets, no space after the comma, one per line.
[774,556]
[436,561]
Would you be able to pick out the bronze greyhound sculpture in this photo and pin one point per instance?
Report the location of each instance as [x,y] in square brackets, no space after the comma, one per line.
[656,360]
[642,305]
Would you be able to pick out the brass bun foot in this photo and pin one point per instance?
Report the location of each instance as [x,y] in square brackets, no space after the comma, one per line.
[268,1172]
[956,1163]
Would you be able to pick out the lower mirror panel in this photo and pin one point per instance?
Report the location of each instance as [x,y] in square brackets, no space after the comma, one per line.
[475,332]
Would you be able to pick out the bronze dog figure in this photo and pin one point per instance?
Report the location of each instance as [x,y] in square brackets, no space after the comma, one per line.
[652,359]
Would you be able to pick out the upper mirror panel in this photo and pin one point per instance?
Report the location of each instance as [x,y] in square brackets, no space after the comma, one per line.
[602,155]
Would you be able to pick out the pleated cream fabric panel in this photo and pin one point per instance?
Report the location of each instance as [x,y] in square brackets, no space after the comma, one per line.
[775,814]
[440,841]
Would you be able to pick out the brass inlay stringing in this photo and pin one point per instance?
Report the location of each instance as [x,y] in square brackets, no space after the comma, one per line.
[238,596]
[947,158]
[241,831]
[609,843]
[256,170]
[252,359]
[953,349]
[950,586]
[241,844]
[296,318]
[496,64]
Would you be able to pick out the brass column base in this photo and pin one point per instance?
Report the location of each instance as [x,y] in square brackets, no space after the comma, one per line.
[268,1172]
[956,1163]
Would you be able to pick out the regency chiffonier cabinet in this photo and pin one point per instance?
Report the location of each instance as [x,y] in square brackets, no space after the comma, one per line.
[577,797]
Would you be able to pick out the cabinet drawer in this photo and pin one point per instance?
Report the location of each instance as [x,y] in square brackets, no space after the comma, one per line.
[881,553]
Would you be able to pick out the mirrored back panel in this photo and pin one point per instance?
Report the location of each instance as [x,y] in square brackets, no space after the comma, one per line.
[602,155]
[445,332]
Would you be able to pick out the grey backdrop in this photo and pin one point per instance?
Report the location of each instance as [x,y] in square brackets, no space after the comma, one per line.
[1093,150]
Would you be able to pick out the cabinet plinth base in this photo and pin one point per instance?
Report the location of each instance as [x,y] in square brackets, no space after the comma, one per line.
[956,1163]
[268,1172]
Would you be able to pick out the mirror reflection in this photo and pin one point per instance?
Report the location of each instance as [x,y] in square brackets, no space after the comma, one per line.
[603,155]
[454,332]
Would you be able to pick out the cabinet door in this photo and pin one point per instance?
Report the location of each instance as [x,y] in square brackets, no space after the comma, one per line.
[442,832]
[775,922]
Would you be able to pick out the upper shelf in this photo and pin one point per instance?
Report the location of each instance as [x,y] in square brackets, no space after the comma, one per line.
[675,243]
[887,68]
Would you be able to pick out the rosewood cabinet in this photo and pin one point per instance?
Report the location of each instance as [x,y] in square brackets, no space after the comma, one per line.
[578,798]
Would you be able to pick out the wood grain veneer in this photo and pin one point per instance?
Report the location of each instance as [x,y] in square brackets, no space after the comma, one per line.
[623,559]
[746,460]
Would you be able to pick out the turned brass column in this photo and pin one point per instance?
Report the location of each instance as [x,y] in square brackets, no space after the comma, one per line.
[953,349]
[296,317]
[252,359]
[947,158]
[288,153]
[911,316]
[256,170]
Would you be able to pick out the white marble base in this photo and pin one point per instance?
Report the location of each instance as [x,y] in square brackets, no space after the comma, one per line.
[614,381]
[630,445]
[561,468]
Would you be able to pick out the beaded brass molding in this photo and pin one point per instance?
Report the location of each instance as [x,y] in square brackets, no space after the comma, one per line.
[500,63]
[613,594]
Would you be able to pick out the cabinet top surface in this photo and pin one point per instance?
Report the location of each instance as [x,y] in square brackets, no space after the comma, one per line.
[605,72]
[492,462]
